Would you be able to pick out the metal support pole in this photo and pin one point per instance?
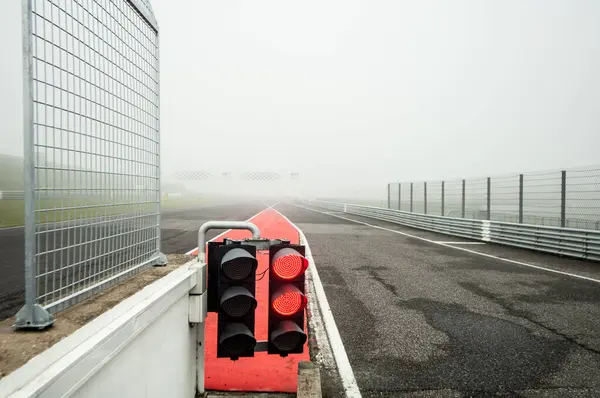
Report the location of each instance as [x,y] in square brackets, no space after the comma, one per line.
[198,294]
[425,197]
[207,226]
[563,199]
[520,198]
[411,197]
[389,189]
[463,199]
[443,194]
[399,196]
[31,315]
[489,198]
[161,258]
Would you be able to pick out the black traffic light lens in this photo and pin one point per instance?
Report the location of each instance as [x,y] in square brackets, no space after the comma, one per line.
[237,264]
[236,339]
[237,301]
[288,336]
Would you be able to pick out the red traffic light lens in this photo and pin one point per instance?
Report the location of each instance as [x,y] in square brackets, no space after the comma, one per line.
[288,300]
[289,265]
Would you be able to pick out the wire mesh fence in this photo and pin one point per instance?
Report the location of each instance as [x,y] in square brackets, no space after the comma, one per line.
[92,147]
[564,198]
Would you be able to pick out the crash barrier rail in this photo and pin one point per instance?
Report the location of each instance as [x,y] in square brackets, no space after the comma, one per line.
[91,150]
[578,243]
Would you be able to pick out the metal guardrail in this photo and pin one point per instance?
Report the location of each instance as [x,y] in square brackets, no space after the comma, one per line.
[12,195]
[578,243]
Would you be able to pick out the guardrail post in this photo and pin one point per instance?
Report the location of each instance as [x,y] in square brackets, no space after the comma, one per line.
[489,198]
[443,198]
[399,196]
[425,197]
[411,197]
[563,199]
[462,210]
[520,198]
[389,188]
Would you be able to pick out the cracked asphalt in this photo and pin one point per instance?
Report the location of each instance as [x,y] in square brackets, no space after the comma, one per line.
[419,319]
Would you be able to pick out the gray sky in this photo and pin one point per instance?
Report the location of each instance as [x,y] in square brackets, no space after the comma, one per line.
[385,90]
[371,91]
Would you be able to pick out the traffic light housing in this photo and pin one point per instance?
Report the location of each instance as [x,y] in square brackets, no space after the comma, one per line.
[287,299]
[234,266]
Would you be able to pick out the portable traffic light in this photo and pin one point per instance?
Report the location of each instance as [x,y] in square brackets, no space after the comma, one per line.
[235,268]
[287,299]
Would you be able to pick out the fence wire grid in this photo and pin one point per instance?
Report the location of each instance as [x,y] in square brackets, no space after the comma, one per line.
[92,148]
[564,198]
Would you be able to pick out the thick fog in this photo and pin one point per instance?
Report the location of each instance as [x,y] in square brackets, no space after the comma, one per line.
[353,94]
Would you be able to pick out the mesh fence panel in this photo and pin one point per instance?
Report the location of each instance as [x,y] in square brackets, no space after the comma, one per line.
[394,196]
[582,204]
[405,196]
[476,198]
[504,198]
[569,198]
[453,198]
[542,198]
[418,198]
[434,198]
[94,147]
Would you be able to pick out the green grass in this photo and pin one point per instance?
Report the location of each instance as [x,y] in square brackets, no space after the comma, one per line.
[12,211]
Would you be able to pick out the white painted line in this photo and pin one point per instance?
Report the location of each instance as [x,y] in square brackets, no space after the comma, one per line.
[460,248]
[460,243]
[335,341]
[224,232]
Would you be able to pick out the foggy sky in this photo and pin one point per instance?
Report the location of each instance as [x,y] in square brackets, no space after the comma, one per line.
[359,93]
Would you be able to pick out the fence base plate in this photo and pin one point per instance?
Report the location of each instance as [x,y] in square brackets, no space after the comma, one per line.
[161,261]
[40,320]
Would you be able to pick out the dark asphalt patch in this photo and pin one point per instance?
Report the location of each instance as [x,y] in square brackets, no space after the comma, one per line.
[485,354]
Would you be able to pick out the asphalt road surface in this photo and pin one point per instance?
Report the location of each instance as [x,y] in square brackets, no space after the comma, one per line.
[420,319]
[179,234]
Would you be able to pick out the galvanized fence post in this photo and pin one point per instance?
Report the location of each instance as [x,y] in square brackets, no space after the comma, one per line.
[520,198]
[399,196]
[563,199]
[389,193]
[161,259]
[31,315]
[443,192]
[425,197]
[411,197]
[489,198]
[463,198]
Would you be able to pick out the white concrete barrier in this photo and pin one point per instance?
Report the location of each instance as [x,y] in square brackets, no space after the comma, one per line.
[143,347]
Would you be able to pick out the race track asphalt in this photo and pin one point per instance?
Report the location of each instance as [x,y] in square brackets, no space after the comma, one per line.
[420,319]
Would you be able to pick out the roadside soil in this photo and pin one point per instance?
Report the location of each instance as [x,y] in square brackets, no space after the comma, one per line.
[18,347]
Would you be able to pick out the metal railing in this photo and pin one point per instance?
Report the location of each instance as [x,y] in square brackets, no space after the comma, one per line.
[565,198]
[92,149]
[584,244]
[12,195]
